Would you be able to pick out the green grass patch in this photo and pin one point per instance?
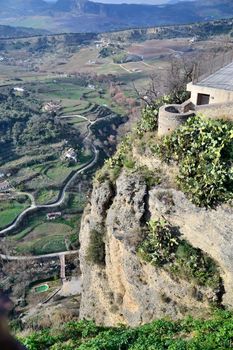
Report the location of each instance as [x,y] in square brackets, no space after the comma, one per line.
[9,210]
[42,246]
[44,196]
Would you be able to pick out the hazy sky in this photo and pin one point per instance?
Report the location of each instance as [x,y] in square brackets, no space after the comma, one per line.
[154,2]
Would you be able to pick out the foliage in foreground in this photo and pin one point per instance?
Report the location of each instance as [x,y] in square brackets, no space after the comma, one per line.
[163,247]
[203,148]
[189,334]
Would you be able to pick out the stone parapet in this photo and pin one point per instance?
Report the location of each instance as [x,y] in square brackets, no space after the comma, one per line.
[171,117]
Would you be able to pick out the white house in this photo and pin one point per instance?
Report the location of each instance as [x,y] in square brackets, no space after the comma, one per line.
[70,154]
[19,89]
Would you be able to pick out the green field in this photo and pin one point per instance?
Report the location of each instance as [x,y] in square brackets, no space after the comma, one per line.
[9,210]
[46,196]
[45,238]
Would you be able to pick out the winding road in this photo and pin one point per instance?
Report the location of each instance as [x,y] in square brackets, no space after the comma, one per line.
[68,181]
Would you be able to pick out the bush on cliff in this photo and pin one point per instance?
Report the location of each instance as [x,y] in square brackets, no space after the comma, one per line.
[203,148]
[96,249]
[163,247]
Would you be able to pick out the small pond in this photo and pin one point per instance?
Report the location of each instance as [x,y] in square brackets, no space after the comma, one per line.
[42,288]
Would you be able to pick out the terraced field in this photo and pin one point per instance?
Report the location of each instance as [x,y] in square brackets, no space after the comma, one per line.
[42,172]
[43,237]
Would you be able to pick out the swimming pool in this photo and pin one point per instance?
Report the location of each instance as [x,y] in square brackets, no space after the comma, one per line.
[42,288]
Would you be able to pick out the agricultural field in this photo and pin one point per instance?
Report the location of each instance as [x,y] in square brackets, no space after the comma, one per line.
[10,209]
[40,236]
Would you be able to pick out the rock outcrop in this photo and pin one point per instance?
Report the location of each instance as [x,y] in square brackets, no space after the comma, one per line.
[125,289]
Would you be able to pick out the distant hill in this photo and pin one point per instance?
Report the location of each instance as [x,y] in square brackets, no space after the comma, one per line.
[88,16]
[22,7]
[18,32]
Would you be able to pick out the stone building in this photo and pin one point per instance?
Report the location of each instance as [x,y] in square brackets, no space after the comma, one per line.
[211,96]
[216,88]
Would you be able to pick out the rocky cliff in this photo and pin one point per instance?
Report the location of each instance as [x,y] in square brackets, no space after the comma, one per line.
[118,286]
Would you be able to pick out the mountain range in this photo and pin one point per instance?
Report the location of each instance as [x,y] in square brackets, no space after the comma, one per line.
[89,16]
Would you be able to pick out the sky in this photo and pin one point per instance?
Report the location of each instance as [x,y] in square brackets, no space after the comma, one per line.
[152,2]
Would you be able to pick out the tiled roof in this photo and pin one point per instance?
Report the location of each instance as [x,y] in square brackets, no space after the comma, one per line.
[222,79]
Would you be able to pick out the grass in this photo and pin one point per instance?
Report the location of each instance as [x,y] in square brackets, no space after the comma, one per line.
[61,90]
[45,196]
[50,228]
[45,238]
[75,120]
[9,210]
[77,200]
[42,246]
[22,234]
[59,171]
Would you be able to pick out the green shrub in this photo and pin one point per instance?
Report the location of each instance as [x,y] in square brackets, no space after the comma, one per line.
[204,151]
[112,166]
[160,243]
[150,113]
[96,249]
[163,247]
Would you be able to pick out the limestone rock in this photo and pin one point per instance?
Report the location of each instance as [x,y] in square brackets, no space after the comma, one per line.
[128,290]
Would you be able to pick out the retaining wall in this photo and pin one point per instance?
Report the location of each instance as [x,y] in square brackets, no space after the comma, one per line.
[216,111]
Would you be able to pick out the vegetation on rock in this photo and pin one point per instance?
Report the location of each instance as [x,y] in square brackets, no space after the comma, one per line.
[96,249]
[163,247]
[203,148]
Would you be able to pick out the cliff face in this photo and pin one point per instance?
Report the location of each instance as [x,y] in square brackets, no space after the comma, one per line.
[121,288]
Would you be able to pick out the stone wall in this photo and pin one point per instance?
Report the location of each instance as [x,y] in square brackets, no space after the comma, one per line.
[171,117]
[216,111]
